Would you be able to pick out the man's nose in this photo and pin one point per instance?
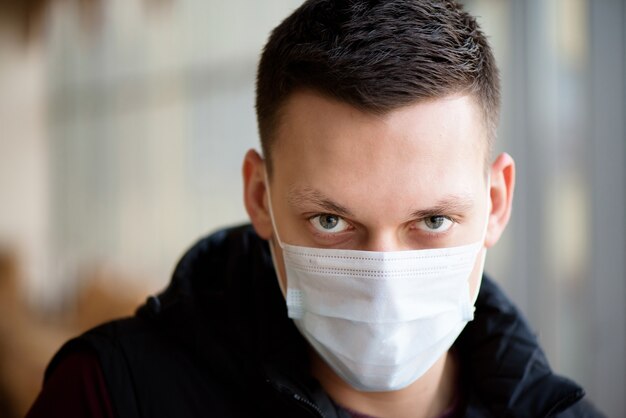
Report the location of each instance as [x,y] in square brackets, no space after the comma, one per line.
[383,241]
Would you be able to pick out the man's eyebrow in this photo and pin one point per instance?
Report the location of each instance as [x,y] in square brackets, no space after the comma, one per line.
[452,204]
[307,196]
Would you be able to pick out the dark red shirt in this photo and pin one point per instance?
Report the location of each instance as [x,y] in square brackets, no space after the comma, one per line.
[75,389]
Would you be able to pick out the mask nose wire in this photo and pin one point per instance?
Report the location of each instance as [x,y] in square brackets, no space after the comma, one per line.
[282,283]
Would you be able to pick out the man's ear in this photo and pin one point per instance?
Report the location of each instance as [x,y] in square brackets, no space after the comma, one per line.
[501,193]
[255,194]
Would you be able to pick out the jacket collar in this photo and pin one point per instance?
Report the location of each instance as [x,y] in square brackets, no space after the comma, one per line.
[507,372]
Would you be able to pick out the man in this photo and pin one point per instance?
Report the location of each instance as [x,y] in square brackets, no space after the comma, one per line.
[359,290]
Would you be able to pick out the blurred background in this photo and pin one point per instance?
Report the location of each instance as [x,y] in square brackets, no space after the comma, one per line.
[123,124]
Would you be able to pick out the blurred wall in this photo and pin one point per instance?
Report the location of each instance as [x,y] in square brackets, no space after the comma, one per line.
[123,126]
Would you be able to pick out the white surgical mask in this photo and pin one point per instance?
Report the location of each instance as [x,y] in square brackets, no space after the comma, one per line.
[380,320]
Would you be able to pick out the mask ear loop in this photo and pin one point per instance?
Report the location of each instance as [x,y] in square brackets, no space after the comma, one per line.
[269,204]
[281,283]
[482,240]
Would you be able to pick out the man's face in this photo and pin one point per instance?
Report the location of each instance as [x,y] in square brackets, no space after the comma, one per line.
[410,179]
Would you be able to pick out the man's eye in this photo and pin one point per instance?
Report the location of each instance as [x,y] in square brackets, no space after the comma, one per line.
[329,223]
[438,224]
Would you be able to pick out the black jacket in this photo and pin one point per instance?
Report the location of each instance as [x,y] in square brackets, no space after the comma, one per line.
[218,343]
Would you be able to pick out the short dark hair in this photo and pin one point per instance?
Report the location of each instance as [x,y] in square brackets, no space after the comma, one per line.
[376,55]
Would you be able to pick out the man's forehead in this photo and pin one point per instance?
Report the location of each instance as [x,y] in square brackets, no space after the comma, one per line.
[310,113]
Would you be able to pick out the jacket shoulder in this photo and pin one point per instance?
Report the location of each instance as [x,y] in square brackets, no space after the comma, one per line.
[507,369]
[150,372]
[581,409]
